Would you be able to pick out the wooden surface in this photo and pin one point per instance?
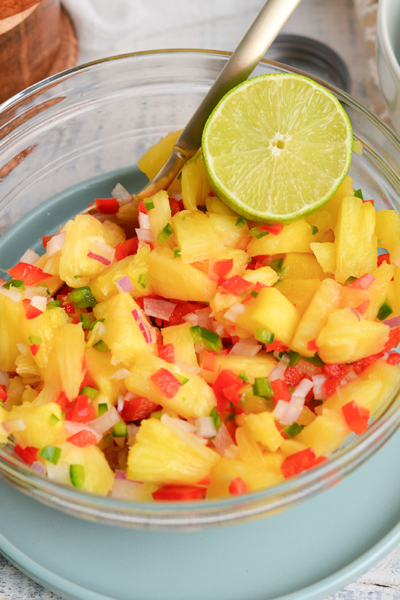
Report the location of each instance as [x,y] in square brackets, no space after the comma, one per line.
[334,23]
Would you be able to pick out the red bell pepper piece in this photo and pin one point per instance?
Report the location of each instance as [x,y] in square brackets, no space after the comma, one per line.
[393,359]
[31,312]
[281,391]
[356,416]
[88,381]
[335,370]
[63,401]
[29,454]
[127,248]
[331,384]
[361,308]
[3,393]
[142,208]
[166,352]
[83,438]
[82,410]
[222,268]
[384,258]
[300,461]
[205,481]
[393,340]
[107,206]
[226,389]
[276,345]
[137,409]
[274,229]
[237,486]
[363,283]
[175,205]
[180,492]
[210,362]
[166,382]
[29,274]
[360,365]
[237,285]
[309,368]
[293,376]
[370,201]
[34,349]
[181,309]
[312,346]
[46,239]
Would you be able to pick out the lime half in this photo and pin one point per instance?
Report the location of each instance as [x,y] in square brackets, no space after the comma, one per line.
[277,147]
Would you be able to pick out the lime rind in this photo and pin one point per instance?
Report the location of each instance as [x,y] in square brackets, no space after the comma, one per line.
[252,144]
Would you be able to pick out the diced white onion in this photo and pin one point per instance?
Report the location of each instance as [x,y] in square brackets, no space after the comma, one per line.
[101,329]
[188,436]
[144,235]
[120,403]
[218,328]
[133,430]
[280,409]
[14,425]
[205,427]
[204,317]
[246,347]
[121,374]
[102,253]
[31,292]
[234,312]
[124,489]
[292,414]
[121,194]
[11,294]
[319,389]
[106,421]
[55,244]
[39,467]
[232,452]
[124,284]
[160,309]
[280,368]
[144,221]
[191,318]
[302,388]
[39,302]
[23,348]
[187,367]
[30,257]
[148,332]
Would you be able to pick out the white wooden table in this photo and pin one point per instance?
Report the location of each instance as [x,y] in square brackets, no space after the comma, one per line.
[334,23]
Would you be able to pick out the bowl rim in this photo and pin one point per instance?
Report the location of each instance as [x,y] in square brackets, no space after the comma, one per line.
[209,513]
[384,37]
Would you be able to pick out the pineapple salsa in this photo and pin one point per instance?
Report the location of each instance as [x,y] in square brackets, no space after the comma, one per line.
[196,354]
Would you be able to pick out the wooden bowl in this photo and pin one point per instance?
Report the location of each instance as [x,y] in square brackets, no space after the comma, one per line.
[36,40]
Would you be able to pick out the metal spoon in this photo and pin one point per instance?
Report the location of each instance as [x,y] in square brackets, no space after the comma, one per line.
[243,61]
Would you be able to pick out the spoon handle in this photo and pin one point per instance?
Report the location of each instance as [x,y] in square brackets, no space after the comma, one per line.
[243,61]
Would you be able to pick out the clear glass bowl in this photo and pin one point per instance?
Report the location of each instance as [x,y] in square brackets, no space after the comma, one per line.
[101,117]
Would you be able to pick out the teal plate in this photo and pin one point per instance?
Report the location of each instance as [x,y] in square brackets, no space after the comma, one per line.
[304,553]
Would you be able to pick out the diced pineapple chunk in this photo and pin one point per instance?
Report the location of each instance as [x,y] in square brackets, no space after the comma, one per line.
[289,447]
[76,268]
[196,236]
[11,314]
[101,370]
[195,184]
[193,399]
[298,291]
[113,233]
[43,328]
[249,449]
[215,205]
[270,311]
[172,279]
[68,349]
[3,433]
[326,433]
[182,340]
[388,231]
[346,337]
[325,300]
[263,429]
[228,230]
[240,261]
[122,333]
[325,253]
[295,237]
[228,469]
[344,190]
[372,389]
[355,239]
[41,428]
[160,215]
[163,456]
[377,291]
[260,365]
[135,267]
[302,266]
[98,477]
[321,221]
[152,161]
[264,275]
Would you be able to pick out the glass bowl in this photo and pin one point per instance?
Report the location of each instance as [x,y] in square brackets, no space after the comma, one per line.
[91,124]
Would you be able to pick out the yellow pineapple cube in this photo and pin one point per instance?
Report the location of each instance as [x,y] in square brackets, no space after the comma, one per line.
[160,215]
[388,231]
[122,333]
[42,428]
[272,312]
[98,477]
[249,449]
[333,205]
[326,433]
[321,221]
[182,340]
[43,328]
[263,429]
[113,233]
[294,237]
[101,370]
[229,228]
[11,314]
[260,365]
[240,261]
[194,398]
[346,337]
[196,237]
[289,447]
[155,158]
[372,390]
[302,266]
[298,291]
[325,300]
[215,205]
[171,278]
[136,267]
[228,469]
[163,456]
[194,181]
[377,291]
[355,239]
[264,275]
[325,253]
[68,350]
